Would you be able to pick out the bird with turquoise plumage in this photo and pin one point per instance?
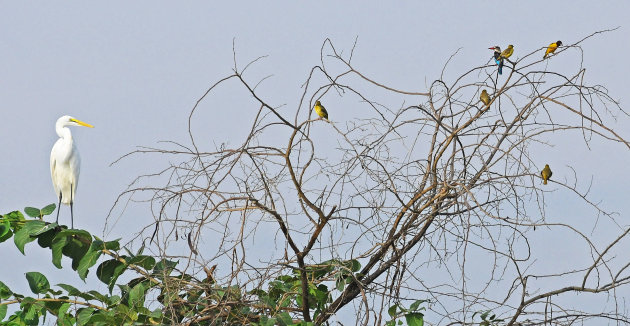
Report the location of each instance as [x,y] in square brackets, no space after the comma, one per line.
[497,57]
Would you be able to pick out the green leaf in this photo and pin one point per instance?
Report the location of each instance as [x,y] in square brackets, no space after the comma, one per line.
[164,264]
[99,296]
[32,211]
[121,310]
[146,262]
[44,229]
[89,259]
[286,278]
[414,306]
[15,216]
[414,319]
[16,319]
[356,266]
[45,239]
[98,244]
[156,313]
[37,282]
[136,295]
[267,321]
[109,270]
[84,315]
[71,243]
[77,248]
[5,230]
[59,241]
[340,284]
[52,305]
[155,318]
[5,292]
[112,245]
[136,281]
[48,209]
[103,319]
[321,295]
[304,323]
[392,310]
[32,310]
[284,319]
[23,236]
[72,291]
[62,315]
[164,267]
[3,311]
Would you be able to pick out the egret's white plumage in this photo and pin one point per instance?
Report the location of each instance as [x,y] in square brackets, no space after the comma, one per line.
[65,162]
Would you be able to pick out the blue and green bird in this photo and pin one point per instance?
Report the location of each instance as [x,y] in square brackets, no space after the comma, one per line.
[498,59]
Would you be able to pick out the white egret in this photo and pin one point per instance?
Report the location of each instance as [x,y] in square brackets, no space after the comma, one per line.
[65,163]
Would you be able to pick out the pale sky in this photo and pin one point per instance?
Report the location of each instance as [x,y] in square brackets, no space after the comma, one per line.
[135,69]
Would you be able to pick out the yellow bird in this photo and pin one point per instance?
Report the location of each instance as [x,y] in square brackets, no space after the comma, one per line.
[552,48]
[508,52]
[320,110]
[484,97]
[546,173]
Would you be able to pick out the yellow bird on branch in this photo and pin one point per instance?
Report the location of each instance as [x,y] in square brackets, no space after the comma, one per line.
[552,48]
[320,110]
[484,97]
[508,52]
[546,173]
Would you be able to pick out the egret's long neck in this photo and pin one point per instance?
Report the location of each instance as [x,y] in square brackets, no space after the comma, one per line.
[63,132]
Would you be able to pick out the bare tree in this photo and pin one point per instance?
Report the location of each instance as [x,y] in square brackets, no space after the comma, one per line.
[438,200]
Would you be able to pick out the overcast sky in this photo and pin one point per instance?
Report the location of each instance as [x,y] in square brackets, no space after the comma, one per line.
[134,69]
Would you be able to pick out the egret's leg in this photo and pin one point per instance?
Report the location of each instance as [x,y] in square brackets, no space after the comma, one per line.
[58,209]
[71,213]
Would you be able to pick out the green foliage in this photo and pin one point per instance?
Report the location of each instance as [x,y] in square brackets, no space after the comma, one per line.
[27,233]
[487,319]
[40,213]
[177,297]
[37,282]
[5,292]
[413,315]
[68,304]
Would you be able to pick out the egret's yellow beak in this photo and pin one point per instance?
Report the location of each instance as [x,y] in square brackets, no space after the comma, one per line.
[82,123]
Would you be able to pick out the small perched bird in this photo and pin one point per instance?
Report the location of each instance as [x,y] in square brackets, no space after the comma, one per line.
[484,97]
[507,52]
[497,57]
[496,54]
[320,110]
[65,163]
[552,48]
[546,173]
